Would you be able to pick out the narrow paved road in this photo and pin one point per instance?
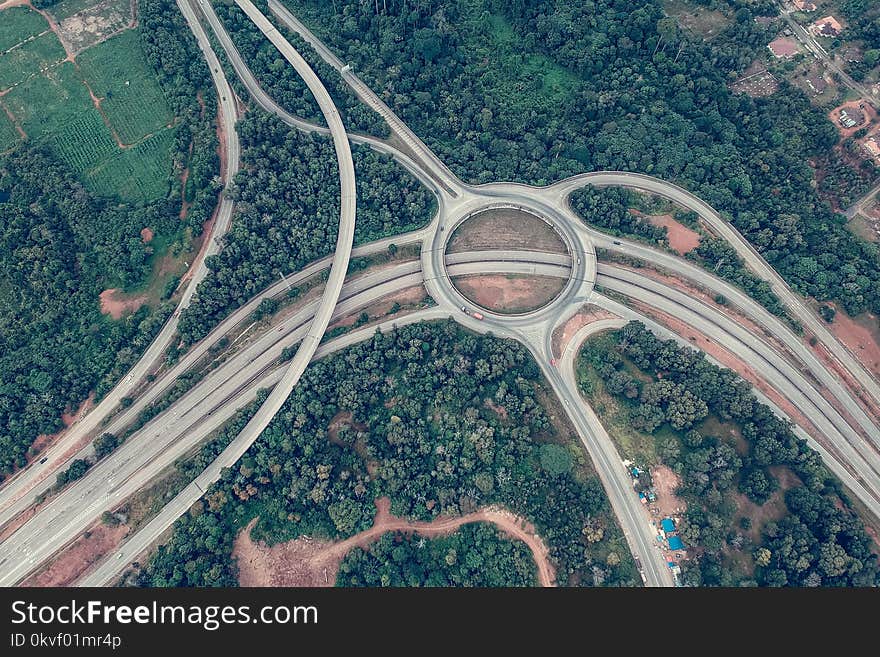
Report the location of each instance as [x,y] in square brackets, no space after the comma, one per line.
[819,52]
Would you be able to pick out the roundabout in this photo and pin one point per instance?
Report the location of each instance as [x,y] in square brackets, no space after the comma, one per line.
[500,221]
[499,231]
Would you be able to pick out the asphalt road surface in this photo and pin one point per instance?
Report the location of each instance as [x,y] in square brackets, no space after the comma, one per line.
[847,454]
[38,475]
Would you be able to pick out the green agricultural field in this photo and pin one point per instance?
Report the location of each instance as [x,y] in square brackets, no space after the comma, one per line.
[8,134]
[51,103]
[45,103]
[118,73]
[29,58]
[84,143]
[139,173]
[19,23]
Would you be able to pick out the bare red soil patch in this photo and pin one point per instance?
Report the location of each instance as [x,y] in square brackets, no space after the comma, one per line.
[665,483]
[861,335]
[681,238]
[114,304]
[505,228]
[341,420]
[308,562]
[507,293]
[500,411]
[146,235]
[860,106]
[76,559]
[586,315]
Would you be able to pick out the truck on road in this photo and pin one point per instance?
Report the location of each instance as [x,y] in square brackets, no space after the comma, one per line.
[475,315]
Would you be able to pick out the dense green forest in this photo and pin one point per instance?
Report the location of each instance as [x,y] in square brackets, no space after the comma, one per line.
[476,555]
[287,213]
[60,247]
[439,420]
[863,24]
[705,423]
[536,91]
[281,81]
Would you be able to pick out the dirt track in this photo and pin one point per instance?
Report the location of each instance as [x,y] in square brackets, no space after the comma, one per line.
[306,562]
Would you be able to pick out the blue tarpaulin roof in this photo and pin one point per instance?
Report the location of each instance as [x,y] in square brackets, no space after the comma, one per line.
[667,524]
[675,543]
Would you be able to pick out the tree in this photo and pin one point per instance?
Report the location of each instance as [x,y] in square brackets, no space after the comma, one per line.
[104,444]
[762,557]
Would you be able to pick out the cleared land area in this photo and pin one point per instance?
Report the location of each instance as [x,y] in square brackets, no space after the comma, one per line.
[505,228]
[85,23]
[102,114]
[309,562]
[509,293]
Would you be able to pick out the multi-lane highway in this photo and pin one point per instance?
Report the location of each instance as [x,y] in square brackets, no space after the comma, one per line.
[846,437]
[150,396]
[38,474]
[754,261]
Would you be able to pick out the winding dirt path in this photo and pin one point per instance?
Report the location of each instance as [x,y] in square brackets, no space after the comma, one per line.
[307,562]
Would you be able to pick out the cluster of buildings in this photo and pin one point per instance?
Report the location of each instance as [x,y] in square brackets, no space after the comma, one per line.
[851,117]
[667,535]
[804,5]
[826,27]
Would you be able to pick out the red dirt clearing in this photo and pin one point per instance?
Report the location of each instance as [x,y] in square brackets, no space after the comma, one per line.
[506,293]
[665,482]
[307,562]
[867,111]
[76,559]
[586,315]
[146,235]
[861,335]
[114,305]
[681,238]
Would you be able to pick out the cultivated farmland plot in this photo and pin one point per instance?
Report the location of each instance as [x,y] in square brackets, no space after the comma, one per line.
[50,98]
[138,173]
[45,103]
[8,134]
[132,100]
[84,143]
[18,24]
[29,58]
